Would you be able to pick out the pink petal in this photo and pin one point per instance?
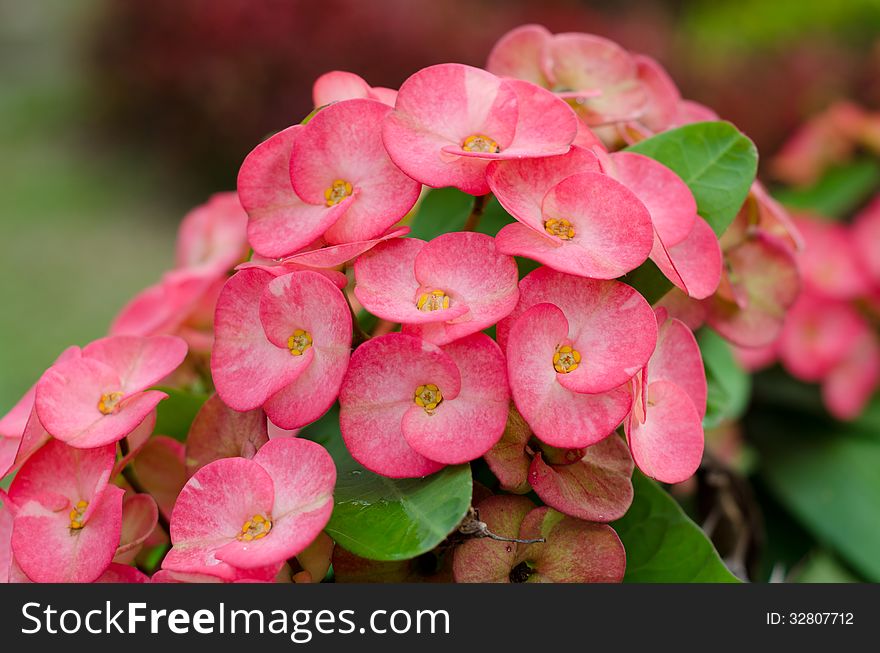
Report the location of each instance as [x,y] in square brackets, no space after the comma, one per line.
[379,388]
[587,63]
[817,336]
[768,278]
[669,445]
[693,265]
[829,262]
[220,432]
[609,323]
[664,98]
[866,235]
[48,551]
[508,459]
[213,236]
[441,106]
[338,85]
[139,517]
[334,255]
[122,573]
[161,469]
[849,386]
[522,54]
[139,362]
[596,488]
[464,428]
[677,359]
[668,199]
[558,416]
[280,223]
[545,126]
[12,425]
[344,142]
[59,472]
[247,367]
[136,441]
[521,184]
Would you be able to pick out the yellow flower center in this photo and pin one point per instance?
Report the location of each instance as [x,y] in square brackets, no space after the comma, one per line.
[428,397]
[338,191]
[299,342]
[109,402]
[255,528]
[480,143]
[560,228]
[76,515]
[566,359]
[433,301]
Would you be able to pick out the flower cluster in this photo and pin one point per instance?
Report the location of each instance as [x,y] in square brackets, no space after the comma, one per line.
[830,333]
[563,378]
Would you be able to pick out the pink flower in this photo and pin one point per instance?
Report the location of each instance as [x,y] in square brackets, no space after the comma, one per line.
[407,407]
[281,343]
[67,517]
[443,290]
[598,77]
[830,262]
[571,216]
[759,284]
[665,430]
[818,334]
[572,345]
[340,85]
[101,396]
[213,236]
[330,178]
[866,237]
[450,120]
[239,517]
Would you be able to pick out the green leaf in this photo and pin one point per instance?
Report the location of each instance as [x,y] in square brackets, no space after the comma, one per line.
[662,544]
[715,160]
[396,519]
[838,193]
[175,414]
[649,281]
[447,209]
[828,476]
[729,385]
[389,519]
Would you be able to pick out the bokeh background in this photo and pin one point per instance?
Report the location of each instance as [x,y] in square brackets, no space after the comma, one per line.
[115,117]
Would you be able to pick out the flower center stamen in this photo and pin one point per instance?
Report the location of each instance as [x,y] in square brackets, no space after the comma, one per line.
[255,528]
[480,143]
[432,301]
[338,191]
[560,228]
[299,342]
[428,397]
[109,402]
[566,359]
[76,515]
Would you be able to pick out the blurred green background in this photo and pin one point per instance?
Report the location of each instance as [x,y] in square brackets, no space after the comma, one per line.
[116,117]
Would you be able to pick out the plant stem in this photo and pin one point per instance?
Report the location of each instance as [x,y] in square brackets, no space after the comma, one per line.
[130,478]
[473,220]
[359,337]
